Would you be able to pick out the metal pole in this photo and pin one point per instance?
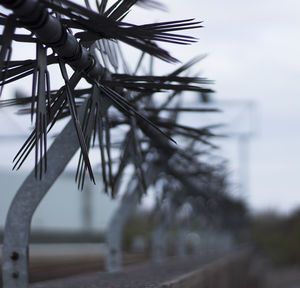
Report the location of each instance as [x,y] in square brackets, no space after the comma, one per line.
[17,227]
[159,233]
[115,229]
[180,241]
[183,227]
[159,243]
[114,234]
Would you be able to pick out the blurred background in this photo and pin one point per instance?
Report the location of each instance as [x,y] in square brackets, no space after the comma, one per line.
[253,56]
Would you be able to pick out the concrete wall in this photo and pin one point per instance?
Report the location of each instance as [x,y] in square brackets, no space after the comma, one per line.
[229,272]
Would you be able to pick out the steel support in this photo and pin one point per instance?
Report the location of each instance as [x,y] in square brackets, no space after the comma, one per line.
[159,235]
[181,241]
[113,260]
[183,227]
[126,209]
[17,227]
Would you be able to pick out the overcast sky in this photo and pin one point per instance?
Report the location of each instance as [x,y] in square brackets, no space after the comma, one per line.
[253,52]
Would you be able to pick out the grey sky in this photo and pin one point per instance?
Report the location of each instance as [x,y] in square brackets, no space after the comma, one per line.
[254,51]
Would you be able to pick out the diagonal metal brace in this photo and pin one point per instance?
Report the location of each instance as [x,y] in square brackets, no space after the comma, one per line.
[17,228]
[126,209]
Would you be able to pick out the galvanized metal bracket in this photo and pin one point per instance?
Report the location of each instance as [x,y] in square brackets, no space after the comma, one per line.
[17,228]
[183,227]
[159,244]
[113,260]
[159,233]
[181,241]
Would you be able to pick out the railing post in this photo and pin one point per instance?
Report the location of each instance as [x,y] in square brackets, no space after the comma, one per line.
[159,234]
[183,227]
[120,218]
[181,242]
[159,244]
[17,227]
[115,229]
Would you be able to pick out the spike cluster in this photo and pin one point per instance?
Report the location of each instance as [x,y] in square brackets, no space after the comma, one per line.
[129,93]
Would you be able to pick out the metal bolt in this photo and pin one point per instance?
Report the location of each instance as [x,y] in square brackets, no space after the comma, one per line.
[14,256]
[15,275]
